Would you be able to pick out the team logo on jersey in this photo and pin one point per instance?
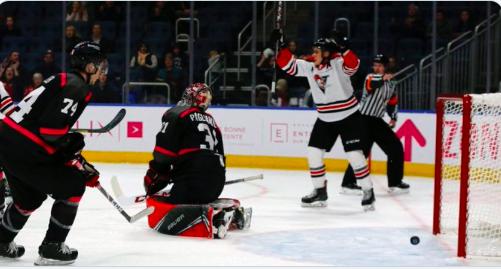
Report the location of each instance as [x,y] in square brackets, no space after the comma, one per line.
[321,82]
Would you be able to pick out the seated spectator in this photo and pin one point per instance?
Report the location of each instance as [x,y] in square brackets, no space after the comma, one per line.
[444,28]
[392,65]
[13,61]
[265,69]
[10,29]
[103,91]
[77,12]
[13,85]
[294,49]
[281,96]
[162,12]
[262,97]
[109,11]
[146,63]
[37,81]
[48,68]
[72,38]
[412,26]
[173,76]
[180,58]
[98,38]
[465,23]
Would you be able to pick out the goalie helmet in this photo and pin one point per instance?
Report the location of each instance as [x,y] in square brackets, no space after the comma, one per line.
[88,52]
[198,95]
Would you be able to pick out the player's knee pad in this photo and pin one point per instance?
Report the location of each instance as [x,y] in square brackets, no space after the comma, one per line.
[315,157]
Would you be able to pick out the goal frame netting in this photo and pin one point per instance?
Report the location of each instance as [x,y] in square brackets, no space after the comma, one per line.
[464,173]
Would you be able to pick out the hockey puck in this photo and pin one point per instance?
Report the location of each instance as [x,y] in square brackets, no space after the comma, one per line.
[414,240]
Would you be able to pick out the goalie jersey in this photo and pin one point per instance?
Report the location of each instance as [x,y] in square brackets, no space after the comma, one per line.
[330,84]
[189,140]
[44,117]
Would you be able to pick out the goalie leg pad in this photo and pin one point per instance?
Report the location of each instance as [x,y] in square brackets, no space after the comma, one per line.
[182,220]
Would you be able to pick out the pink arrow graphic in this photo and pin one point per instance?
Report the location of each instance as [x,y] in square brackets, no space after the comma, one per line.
[408,131]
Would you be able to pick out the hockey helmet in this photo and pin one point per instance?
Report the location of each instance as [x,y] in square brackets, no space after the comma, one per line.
[89,52]
[198,95]
[382,59]
[326,44]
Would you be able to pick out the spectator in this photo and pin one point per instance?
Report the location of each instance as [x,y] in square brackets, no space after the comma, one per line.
[162,12]
[146,62]
[103,91]
[12,84]
[294,48]
[47,68]
[72,38]
[262,97]
[444,28]
[10,29]
[281,97]
[109,11]
[392,65]
[412,27]
[37,81]
[265,67]
[180,59]
[77,12]
[465,23]
[98,38]
[13,61]
[173,76]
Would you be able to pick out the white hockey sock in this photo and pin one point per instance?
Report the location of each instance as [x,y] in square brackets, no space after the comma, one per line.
[359,165]
[317,167]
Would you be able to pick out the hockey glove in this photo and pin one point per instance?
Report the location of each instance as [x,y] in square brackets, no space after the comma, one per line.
[277,35]
[340,40]
[155,181]
[88,170]
[73,147]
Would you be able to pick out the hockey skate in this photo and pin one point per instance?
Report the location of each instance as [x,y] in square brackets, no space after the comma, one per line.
[400,188]
[368,200]
[242,218]
[317,198]
[221,223]
[11,250]
[351,189]
[55,253]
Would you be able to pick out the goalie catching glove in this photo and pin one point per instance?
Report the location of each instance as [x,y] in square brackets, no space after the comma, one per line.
[155,179]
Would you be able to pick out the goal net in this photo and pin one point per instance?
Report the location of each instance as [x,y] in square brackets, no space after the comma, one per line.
[467,200]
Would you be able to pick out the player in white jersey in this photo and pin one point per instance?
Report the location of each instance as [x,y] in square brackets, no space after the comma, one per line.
[6,108]
[329,79]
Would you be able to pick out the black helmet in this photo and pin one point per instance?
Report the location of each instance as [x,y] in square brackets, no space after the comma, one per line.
[382,59]
[325,44]
[88,52]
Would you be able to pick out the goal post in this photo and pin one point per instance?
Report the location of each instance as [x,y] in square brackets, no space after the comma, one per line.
[467,197]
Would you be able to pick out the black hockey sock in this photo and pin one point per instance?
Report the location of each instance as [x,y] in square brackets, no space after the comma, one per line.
[13,221]
[62,217]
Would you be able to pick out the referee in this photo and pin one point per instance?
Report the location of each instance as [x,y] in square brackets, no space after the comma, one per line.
[379,96]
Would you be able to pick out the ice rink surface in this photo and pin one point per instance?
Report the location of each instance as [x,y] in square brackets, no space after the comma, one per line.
[282,233]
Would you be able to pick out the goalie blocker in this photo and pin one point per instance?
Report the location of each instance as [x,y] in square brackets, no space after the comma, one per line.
[198,220]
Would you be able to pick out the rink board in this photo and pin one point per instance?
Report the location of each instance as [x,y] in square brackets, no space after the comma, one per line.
[253,137]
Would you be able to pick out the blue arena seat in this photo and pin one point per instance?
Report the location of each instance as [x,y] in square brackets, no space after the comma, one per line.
[10,43]
[160,30]
[157,46]
[50,29]
[108,28]
[41,44]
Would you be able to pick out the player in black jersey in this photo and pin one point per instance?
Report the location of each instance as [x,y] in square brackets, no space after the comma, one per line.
[41,158]
[189,153]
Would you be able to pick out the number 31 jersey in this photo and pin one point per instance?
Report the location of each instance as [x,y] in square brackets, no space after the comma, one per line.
[47,113]
[187,131]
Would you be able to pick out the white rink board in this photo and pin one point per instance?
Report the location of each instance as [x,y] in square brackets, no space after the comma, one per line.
[246,131]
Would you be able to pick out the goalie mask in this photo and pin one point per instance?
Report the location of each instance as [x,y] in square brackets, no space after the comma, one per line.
[197,95]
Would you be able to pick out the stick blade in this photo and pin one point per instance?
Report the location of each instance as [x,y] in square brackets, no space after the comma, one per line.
[142,214]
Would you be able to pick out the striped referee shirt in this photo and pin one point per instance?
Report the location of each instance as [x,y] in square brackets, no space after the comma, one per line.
[379,96]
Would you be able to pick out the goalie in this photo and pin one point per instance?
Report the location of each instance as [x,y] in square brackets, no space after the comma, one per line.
[189,153]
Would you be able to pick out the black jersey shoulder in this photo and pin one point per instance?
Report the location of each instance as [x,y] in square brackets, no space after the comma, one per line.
[179,112]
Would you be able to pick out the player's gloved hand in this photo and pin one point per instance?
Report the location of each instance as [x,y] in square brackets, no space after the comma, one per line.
[73,147]
[277,35]
[340,40]
[91,175]
[155,181]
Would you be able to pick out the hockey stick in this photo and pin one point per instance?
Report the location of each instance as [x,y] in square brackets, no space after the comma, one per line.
[114,122]
[132,200]
[130,219]
[279,19]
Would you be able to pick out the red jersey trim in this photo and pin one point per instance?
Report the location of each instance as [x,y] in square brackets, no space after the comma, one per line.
[87,99]
[186,151]
[75,199]
[48,131]
[339,106]
[29,135]
[189,111]
[6,102]
[63,79]
[165,152]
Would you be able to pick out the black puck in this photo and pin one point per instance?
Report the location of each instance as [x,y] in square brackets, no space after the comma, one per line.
[414,240]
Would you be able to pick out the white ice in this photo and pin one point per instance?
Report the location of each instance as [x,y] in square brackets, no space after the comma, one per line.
[282,233]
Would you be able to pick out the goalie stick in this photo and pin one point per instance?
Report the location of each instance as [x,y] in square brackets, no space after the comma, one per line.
[114,122]
[132,200]
[130,219]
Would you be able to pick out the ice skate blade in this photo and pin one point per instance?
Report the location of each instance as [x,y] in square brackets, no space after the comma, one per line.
[248,217]
[347,191]
[369,207]
[398,191]
[315,204]
[41,261]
